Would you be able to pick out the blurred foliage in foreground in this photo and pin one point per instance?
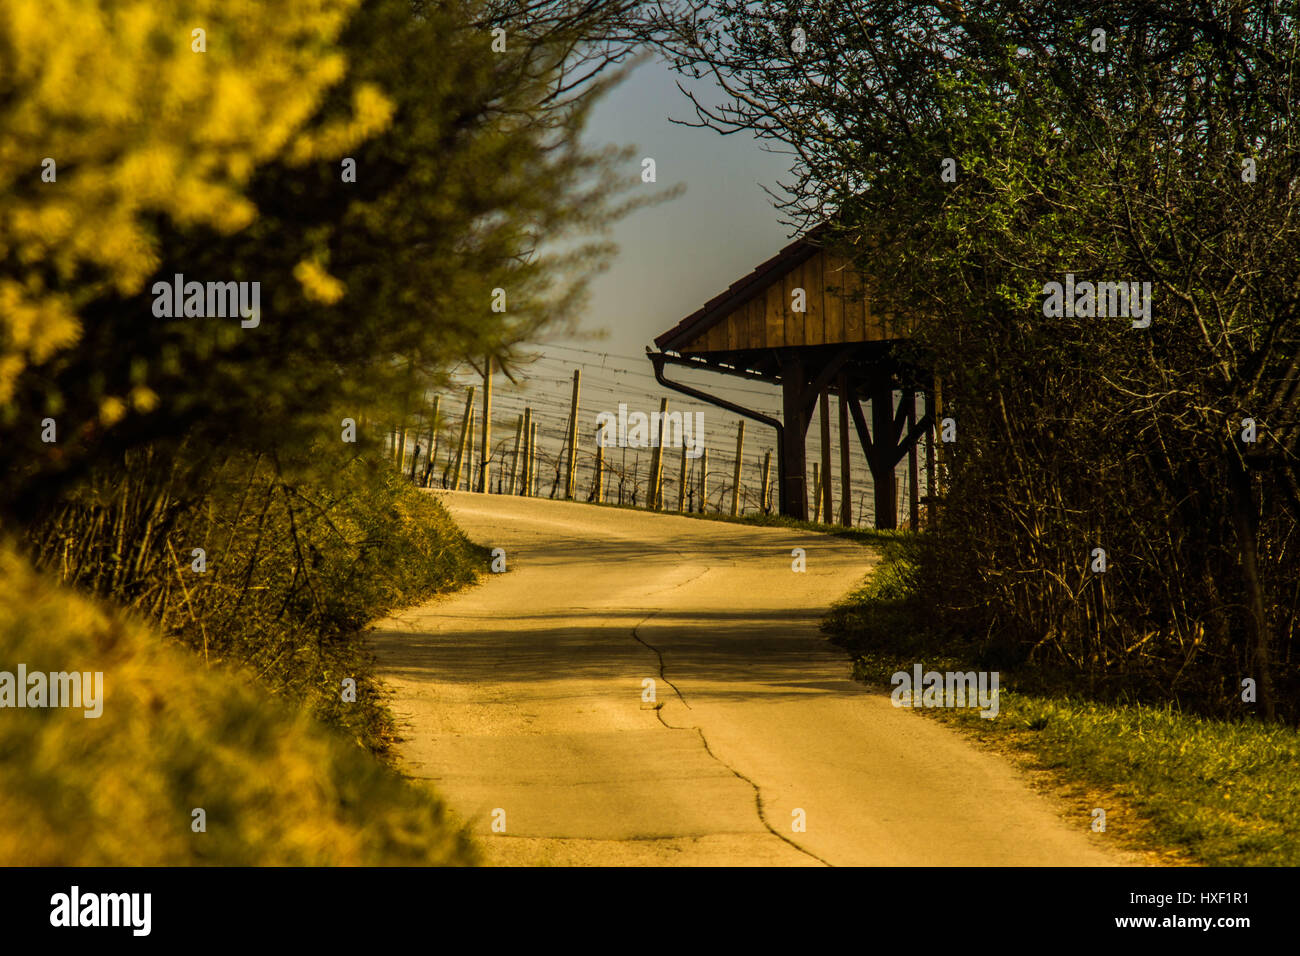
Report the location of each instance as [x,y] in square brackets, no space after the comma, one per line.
[418,171]
[77,77]
[380,170]
[277,788]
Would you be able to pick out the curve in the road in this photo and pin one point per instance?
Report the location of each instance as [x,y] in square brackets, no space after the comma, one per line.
[521,699]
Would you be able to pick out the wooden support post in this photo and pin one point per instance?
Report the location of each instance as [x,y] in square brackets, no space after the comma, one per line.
[827,511]
[534,476]
[846,477]
[931,500]
[433,440]
[740,453]
[704,479]
[470,469]
[817,492]
[400,457]
[657,460]
[767,472]
[941,459]
[485,464]
[622,476]
[681,485]
[884,441]
[913,469]
[793,457]
[514,459]
[464,433]
[573,437]
[598,482]
[525,451]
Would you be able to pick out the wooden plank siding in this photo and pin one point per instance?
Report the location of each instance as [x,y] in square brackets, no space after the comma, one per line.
[774,316]
[856,327]
[814,329]
[837,311]
[794,321]
[836,330]
[756,308]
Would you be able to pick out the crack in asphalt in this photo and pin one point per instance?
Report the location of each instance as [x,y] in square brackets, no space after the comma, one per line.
[758,793]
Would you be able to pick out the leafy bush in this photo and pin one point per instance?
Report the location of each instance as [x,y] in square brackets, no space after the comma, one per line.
[277,788]
[299,557]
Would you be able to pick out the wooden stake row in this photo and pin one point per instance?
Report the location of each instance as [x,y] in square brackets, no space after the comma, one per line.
[524,478]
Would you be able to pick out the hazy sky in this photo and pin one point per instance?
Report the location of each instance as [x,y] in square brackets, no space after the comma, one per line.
[676,255]
[672,258]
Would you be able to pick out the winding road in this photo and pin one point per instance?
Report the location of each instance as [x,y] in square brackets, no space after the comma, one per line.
[524,701]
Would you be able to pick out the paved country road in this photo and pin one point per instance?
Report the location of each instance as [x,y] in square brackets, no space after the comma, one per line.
[524,695]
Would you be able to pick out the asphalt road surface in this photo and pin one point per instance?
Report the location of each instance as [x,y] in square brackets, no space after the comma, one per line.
[523,700]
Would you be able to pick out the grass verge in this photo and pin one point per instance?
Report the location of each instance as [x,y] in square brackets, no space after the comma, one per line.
[1204,791]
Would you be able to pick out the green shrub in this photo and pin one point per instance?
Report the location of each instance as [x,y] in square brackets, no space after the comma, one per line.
[300,556]
[277,787]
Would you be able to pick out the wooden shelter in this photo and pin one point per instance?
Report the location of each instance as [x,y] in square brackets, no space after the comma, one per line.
[804,320]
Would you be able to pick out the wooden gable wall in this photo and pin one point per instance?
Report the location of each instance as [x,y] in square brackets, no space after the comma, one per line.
[836,312]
